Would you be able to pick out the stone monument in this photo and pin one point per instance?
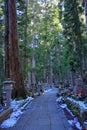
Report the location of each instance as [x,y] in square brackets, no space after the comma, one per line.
[7,90]
[78,85]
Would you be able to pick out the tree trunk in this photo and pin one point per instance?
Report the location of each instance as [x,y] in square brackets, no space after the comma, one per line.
[25,42]
[44,71]
[33,71]
[12,64]
[59,62]
[29,75]
[85,5]
[7,44]
[51,70]
[80,46]
[15,65]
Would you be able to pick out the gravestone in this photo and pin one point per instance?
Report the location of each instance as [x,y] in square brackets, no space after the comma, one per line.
[79,85]
[7,90]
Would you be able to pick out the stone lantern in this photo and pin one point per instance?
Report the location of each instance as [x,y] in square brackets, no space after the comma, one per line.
[7,90]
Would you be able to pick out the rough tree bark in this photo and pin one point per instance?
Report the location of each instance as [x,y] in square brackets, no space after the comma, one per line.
[15,65]
[59,62]
[33,71]
[12,61]
[51,69]
[7,44]
[25,42]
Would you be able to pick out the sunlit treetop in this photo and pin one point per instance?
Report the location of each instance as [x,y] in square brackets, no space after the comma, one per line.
[54,2]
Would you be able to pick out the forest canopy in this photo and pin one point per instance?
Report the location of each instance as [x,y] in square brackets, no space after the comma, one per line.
[51,35]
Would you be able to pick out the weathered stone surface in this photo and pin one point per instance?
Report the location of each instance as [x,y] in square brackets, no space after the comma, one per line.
[5,114]
[79,84]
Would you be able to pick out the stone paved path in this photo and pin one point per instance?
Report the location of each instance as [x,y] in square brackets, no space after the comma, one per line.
[43,114]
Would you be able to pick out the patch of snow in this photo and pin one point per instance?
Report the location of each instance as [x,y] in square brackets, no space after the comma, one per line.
[12,120]
[69,111]
[63,106]
[16,104]
[75,120]
[9,123]
[70,122]
[76,123]
[17,111]
[59,99]
[16,114]
[29,98]
[48,90]
[81,103]
[78,126]
[85,122]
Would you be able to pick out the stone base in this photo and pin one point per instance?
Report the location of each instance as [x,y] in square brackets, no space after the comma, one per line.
[5,114]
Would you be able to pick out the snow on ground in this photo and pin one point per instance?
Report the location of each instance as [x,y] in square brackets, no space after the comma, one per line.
[63,106]
[48,90]
[83,106]
[81,103]
[72,122]
[17,111]
[59,99]
[75,120]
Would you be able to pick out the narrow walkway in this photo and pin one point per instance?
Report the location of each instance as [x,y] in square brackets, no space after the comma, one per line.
[43,114]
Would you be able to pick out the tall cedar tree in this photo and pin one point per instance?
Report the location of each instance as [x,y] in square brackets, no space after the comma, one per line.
[72,31]
[12,62]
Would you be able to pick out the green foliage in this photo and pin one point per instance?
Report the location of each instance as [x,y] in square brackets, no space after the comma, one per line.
[72,31]
[60,37]
[73,107]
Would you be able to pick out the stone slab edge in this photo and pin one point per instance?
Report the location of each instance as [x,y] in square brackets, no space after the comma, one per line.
[5,114]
